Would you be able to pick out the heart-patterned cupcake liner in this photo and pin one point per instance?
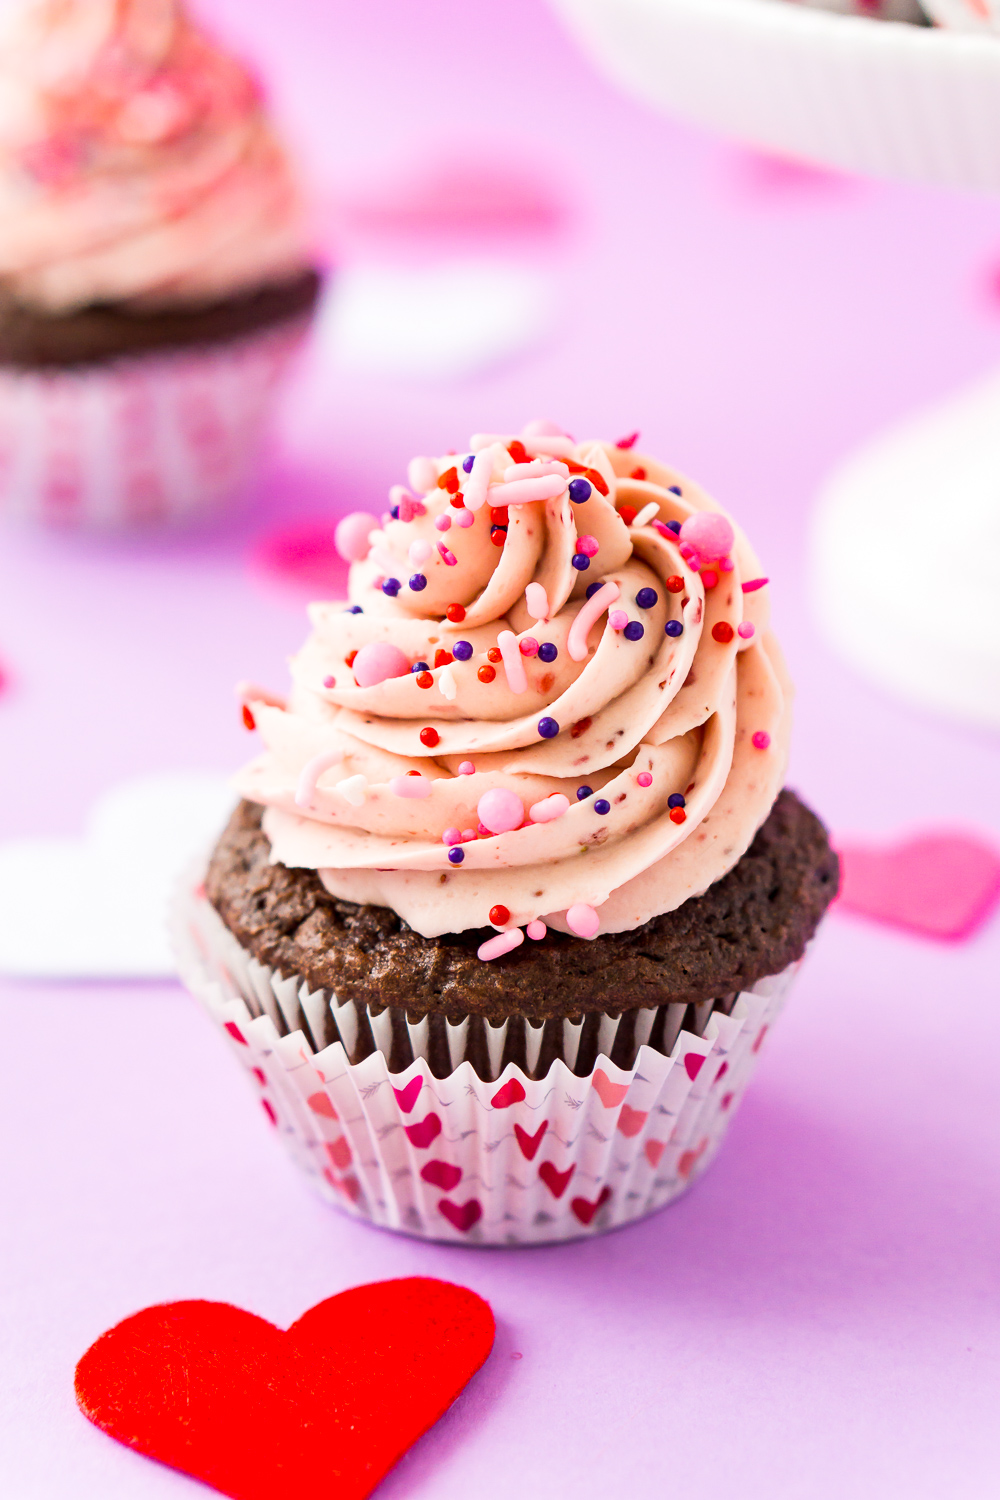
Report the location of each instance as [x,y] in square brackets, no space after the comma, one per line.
[513,1160]
[154,439]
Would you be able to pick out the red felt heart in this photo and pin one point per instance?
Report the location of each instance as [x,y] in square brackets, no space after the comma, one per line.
[556,1182]
[324,1409]
[585,1210]
[424,1131]
[529,1144]
[943,885]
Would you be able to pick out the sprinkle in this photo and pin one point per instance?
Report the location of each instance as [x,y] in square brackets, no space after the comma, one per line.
[583,792]
[447,556]
[722,632]
[424,680]
[484,832]
[466,768]
[529,646]
[647,513]
[353,789]
[588,616]
[418,582]
[329,682]
[549,808]
[675,489]
[673,627]
[499,915]
[420,666]
[465,518]
[419,550]
[249,721]
[537,601]
[548,651]
[449,481]
[755,584]
[580,727]
[676,799]
[498,535]
[500,810]
[617,619]
[745,630]
[455,613]
[354,609]
[583,920]
[710,578]
[678,815]
[410,786]
[726,565]
[527,491]
[548,728]
[512,665]
[646,598]
[761,739]
[639,473]
[447,685]
[451,836]
[602,806]
[536,930]
[468,462]
[429,737]
[456,855]
[505,942]
[480,474]
[644,779]
[580,561]
[351,536]
[457,501]
[442,658]
[378,662]
[628,442]
[350,658]
[627,513]
[391,586]
[579,490]
[634,631]
[535,468]
[593,587]
[709,533]
[588,545]
[469,835]
[462,650]
[486,674]
[675,584]
[494,654]
[499,515]
[394,513]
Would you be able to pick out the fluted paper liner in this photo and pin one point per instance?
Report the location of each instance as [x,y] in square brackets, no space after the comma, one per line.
[514,1160]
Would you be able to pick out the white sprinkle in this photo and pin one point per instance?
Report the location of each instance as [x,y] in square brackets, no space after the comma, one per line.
[446,682]
[647,513]
[353,789]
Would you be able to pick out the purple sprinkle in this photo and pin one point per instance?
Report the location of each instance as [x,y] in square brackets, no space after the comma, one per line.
[581,561]
[548,729]
[583,792]
[354,609]
[391,586]
[418,582]
[675,800]
[456,854]
[633,631]
[673,627]
[675,489]
[394,512]
[579,490]
[420,666]
[593,587]
[547,651]
[462,650]
[602,806]
[646,598]
[468,462]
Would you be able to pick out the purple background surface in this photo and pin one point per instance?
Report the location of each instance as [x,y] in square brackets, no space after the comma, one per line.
[819,1316]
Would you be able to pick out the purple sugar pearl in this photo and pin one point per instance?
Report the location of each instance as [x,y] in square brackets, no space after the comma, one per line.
[581,561]
[583,792]
[418,582]
[462,650]
[468,462]
[547,651]
[633,631]
[548,728]
[602,806]
[391,586]
[676,800]
[646,598]
[456,854]
[673,627]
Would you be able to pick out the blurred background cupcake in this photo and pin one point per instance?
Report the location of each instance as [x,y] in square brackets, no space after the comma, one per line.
[156,272]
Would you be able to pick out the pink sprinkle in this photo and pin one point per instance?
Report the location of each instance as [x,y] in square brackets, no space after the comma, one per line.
[448,557]
[443,523]
[664,530]
[628,442]
[617,619]
[483,832]
[583,920]
[377,662]
[419,551]
[536,930]
[709,532]
[725,565]
[588,616]
[529,646]
[761,739]
[504,942]
[710,578]
[549,808]
[754,585]
[451,835]
[329,682]
[537,601]
[588,545]
[465,518]
[512,664]
[527,491]
[500,810]
[535,470]
[410,786]
[311,772]
[468,835]
[745,630]
[351,536]
[466,768]
[644,778]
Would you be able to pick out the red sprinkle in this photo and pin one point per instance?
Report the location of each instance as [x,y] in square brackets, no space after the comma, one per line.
[248,718]
[499,515]
[499,915]
[580,727]
[675,584]
[678,815]
[723,632]
[458,502]
[494,654]
[455,613]
[518,452]
[413,773]
[638,474]
[449,481]
[761,739]
[597,479]
[442,658]
[628,513]
[349,658]
[424,680]
[486,674]
[429,737]
[498,536]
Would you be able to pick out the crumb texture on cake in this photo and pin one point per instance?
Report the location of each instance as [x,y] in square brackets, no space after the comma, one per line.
[753,922]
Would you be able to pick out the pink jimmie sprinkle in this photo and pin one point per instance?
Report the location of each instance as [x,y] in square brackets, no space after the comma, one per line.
[536,930]
[410,786]
[761,739]
[466,768]
[527,491]
[451,836]
[617,619]
[589,616]
[644,778]
[504,942]
[725,565]
[588,545]
[448,557]
[311,772]
[537,601]
[745,631]
[754,584]
[549,808]
[583,920]
[443,523]
[629,441]
[512,664]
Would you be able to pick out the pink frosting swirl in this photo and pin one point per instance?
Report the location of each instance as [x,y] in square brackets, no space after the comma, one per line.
[136,162]
[598,720]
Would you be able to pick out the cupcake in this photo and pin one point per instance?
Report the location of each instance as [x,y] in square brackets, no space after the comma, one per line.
[155,272]
[515,890]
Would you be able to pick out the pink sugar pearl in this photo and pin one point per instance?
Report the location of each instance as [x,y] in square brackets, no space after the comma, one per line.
[451,835]
[588,545]
[378,661]
[644,778]
[761,739]
[583,920]
[617,619]
[443,523]
[745,631]
[500,811]
[708,533]
[536,930]
[466,768]
[351,535]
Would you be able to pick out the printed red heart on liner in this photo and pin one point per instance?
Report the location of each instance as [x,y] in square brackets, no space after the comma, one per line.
[943,885]
[326,1408]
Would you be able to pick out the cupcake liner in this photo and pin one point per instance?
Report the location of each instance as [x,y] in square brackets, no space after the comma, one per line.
[509,1160]
[156,438]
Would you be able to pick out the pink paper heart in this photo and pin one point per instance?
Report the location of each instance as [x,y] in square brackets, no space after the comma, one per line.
[462,1215]
[585,1209]
[424,1131]
[654,1151]
[556,1182]
[320,1104]
[339,1152]
[942,885]
[441,1174]
[529,1144]
[610,1094]
[511,1093]
[693,1064]
[631,1121]
[407,1098]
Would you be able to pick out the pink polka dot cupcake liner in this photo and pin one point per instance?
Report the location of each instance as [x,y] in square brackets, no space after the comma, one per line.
[146,440]
[509,1159]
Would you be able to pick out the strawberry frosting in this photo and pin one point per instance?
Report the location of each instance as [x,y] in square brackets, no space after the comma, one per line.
[136,161]
[540,703]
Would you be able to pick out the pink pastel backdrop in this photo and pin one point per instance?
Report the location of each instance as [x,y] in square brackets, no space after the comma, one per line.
[819,1317]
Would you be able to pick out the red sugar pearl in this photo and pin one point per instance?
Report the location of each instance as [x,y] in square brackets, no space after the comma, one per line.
[675,584]
[494,654]
[248,718]
[429,737]
[499,915]
[455,613]
[486,674]
[424,680]
[498,536]
[499,515]
[678,815]
[458,502]
[723,633]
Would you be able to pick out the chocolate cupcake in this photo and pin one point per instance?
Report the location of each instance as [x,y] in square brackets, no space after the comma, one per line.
[155,271]
[515,890]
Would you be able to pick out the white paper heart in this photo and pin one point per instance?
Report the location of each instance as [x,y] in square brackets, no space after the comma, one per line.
[95,907]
